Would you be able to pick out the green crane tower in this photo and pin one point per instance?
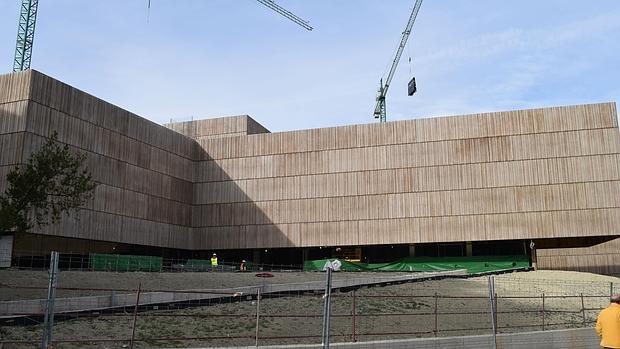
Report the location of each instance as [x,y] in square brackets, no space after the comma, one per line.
[25,34]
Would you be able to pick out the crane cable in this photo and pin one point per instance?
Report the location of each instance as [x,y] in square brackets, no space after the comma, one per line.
[148,11]
[388,65]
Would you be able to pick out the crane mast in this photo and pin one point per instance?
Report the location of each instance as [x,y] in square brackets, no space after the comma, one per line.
[25,34]
[291,16]
[380,110]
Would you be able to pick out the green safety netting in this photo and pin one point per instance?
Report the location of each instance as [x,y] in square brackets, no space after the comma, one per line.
[473,265]
[115,262]
[205,264]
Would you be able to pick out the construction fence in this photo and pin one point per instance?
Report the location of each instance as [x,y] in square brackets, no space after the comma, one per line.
[268,314]
[130,263]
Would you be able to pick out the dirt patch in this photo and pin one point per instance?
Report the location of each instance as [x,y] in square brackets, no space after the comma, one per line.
[149,281]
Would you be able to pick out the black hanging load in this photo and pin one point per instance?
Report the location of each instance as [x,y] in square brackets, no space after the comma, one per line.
[411,87]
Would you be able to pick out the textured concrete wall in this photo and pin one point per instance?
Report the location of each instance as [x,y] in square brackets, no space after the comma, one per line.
[145,170]
[231,126]
[527,174]
[229,183]
[601,259]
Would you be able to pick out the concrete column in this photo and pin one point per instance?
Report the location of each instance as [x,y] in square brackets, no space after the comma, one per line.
[256,256]
[412,250]
[304,254]
[469,249]
[6,251]
[534,257]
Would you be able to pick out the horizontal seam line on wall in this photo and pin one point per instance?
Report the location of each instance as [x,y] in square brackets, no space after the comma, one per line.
[110,157]
[127,189]
[399,143]
[410,192]
[305,151]
[408,167]
[213,135]
[94,152]
[352,195]
[115,131]
[260,155]
[424,217]
[132,217]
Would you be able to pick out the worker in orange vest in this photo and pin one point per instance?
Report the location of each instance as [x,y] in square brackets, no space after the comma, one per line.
[608,324]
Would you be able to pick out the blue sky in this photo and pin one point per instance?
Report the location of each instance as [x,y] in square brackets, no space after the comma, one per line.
[205,58]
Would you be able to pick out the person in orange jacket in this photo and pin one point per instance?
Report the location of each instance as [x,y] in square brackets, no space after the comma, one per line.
[608,324]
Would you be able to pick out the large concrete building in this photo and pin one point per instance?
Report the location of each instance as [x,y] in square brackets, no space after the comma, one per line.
[461,185]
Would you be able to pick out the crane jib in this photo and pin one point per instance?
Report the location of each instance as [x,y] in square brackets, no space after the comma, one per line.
[380,110]
[403,42]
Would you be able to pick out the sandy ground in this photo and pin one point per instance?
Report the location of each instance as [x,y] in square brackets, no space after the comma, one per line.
[148,281]
[404,310]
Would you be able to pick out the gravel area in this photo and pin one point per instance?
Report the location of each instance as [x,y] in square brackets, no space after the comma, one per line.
[403,311]
[149,281]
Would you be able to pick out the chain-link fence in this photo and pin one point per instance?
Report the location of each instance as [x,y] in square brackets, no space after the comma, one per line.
[371,307]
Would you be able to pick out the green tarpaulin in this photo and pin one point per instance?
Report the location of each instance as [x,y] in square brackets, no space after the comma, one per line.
[115,262]
[473,265]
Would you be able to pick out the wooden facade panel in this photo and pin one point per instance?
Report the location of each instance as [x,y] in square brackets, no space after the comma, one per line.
[602,258]
[74,103]
[89,137]
[204,130]
[409,230]
[555,119]
[12,145]
[109,227]
[541,173]
[4,171]
[13,117]
[547,198]
[514,148]
[454,177]
[15,87]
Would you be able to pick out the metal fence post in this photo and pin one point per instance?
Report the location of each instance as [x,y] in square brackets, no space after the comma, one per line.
[543,311]
[436,315]
[48,322]
[257,314]
[495,310]
[135,316]
[611,289]
[583,310]
[327,307]
[492,304]
[353,315]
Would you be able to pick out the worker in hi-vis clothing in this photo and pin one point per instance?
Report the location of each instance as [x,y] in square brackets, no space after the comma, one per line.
[608,324]
[214,261]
